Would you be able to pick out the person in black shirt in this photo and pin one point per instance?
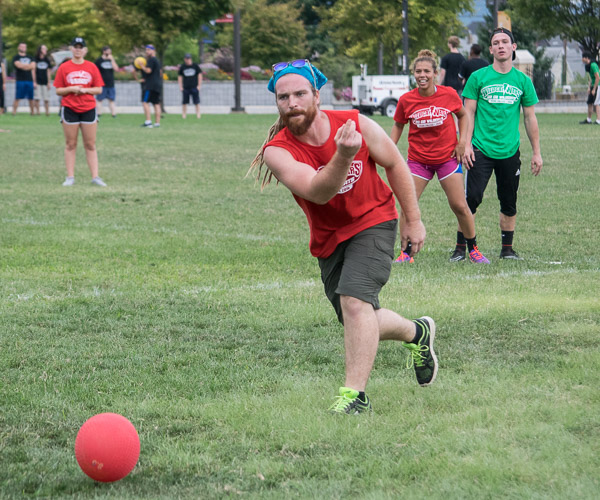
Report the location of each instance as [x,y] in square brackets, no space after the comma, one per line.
[450,65]
[2,86]
[24,67]
[152,87]
[42,79]
[107,65]
[474,63]
[190,81]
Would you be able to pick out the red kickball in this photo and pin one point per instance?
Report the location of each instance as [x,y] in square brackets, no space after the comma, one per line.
[107,447]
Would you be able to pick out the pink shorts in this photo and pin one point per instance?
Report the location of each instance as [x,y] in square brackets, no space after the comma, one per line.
[427,172]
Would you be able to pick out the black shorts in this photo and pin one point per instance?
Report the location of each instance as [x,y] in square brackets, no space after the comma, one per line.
[508,173]
[1,97]
[591,98]
[193,93]
[70,117]
[151,96]
[360,266]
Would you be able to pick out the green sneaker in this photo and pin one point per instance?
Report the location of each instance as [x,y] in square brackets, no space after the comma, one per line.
[422,356]
[347,402]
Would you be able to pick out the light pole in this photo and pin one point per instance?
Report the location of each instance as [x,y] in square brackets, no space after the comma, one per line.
[405,60]
[237,61]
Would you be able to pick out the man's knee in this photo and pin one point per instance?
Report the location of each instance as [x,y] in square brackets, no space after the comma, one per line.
[352,308]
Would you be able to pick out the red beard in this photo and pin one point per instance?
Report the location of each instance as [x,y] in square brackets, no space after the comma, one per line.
[297,127]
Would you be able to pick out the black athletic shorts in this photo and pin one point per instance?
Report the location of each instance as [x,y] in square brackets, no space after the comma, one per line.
[591,98]
[360,266]
[508,173]
[194,94]
[151,96]
[67,115]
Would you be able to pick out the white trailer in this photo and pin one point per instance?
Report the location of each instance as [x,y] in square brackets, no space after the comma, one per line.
[378,92]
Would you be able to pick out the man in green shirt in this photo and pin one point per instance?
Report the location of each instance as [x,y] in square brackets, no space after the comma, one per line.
[494,96]
[593,99]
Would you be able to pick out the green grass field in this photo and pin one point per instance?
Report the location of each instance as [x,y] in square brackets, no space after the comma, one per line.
[186,300]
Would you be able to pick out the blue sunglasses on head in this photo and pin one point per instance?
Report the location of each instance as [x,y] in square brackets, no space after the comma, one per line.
[298,63]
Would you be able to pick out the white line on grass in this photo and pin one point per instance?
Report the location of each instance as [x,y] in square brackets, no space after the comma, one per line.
[163,230]
[274,285]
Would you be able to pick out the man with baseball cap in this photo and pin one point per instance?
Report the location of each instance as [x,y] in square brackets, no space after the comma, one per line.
[328,160]
[493,97]
[152,87]
[190,81]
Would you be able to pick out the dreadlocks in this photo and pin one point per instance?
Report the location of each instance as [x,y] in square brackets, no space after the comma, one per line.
[259,160]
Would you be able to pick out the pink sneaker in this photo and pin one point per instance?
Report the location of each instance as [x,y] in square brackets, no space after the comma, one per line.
[477,257]
[404,257]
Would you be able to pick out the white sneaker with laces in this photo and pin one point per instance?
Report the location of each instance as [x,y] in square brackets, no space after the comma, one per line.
[98,182]
[69,181]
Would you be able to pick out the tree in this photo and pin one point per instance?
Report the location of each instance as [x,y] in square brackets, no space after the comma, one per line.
[577,21]
[270,33]
[360,27]
[53,23]
[318,42]
[158,21]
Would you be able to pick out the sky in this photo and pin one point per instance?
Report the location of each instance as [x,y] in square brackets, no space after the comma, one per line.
[480,11]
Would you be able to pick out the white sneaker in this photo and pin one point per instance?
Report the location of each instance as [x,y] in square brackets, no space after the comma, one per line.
[69,181]
[156,125]
[98,182]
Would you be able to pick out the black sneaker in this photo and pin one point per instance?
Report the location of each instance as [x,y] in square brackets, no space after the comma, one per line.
[458,255]
[422,356]
[509,253]
[146,125]
[348,403]
[585,122]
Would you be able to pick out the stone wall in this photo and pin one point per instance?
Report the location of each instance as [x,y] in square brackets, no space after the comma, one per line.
[212,94]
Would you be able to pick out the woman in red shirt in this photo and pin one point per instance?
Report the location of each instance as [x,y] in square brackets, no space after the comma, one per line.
[77,82]
[433,147]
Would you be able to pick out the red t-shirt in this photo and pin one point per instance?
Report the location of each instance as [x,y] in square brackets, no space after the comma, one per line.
[363,201]
[87,75]
[432,133]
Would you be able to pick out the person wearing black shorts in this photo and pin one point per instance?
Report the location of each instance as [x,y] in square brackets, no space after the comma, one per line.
[2,86]
[78,81]
[190,81]
[152,87]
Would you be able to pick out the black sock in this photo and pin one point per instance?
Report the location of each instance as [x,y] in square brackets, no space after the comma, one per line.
[362,396]
[507,239]
[460,240]
[472,242]
[418,334]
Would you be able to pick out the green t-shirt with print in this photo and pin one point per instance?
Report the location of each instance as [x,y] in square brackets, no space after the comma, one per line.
[593,72]
[499,99]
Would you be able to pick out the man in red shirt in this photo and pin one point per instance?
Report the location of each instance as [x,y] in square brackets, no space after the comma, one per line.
[327,159]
